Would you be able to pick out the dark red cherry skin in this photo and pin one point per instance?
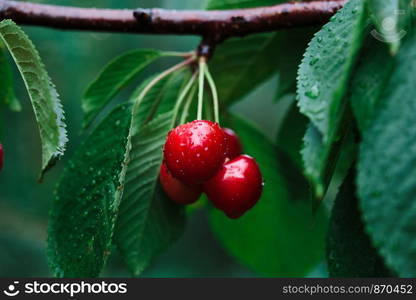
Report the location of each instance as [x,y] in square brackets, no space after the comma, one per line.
[195,151]
[177,191]
[237,186]
[1,156]
[234,145]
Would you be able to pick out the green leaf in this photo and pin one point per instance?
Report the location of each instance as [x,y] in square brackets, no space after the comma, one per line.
[320,160]
[44,98]
[83,213]
[369,79]
[322,83]
[391,18]
[291,133]
[289,56]
[148,221]
[7,95]
[325,70]
[280,236]
[349,249]
[386,173]
[116,75]
[242,64]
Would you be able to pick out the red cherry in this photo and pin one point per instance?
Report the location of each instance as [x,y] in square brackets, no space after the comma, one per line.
[237,186]
[177,191]
[1,156]
[195,151]
[234,145]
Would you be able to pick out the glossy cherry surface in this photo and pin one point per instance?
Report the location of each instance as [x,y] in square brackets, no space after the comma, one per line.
[176,190]
[237,186]
[233,142]
[195,151]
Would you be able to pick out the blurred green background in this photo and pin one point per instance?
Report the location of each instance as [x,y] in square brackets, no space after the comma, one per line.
[73,59]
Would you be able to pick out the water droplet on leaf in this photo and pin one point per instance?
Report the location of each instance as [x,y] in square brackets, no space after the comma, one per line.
[314,60]
[314,92]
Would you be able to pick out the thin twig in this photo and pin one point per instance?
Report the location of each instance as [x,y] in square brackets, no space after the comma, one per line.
[215,24]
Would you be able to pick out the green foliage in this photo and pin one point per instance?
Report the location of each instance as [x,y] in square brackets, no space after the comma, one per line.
[109,195]
[320,160]
[349,249]
[84,210]
[242,64]
[322,84]
[280,235]
[44,98]
[316,160]
[326,67]
[290,134]
[288,56]
[148,221]
[391,18]
[7,95]
[117,74]
[386,178]
[374,68]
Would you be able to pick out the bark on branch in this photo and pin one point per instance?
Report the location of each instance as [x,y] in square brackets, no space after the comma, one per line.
[214,25]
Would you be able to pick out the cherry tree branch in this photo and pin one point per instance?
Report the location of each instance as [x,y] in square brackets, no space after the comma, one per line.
[214,25]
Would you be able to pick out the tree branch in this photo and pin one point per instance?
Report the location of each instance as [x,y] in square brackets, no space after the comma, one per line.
[212,25]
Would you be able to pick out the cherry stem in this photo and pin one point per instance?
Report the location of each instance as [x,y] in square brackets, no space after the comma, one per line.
[183,95]
[202,65]
[188,54]
[188,105]
[158,78]
[214,94]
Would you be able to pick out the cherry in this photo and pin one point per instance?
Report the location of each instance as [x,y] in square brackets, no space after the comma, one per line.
[234,145]
[195,151]
[237,186]
[177,191]
[1,156]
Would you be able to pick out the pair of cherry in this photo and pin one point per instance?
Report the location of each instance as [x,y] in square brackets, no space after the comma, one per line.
[200,157]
